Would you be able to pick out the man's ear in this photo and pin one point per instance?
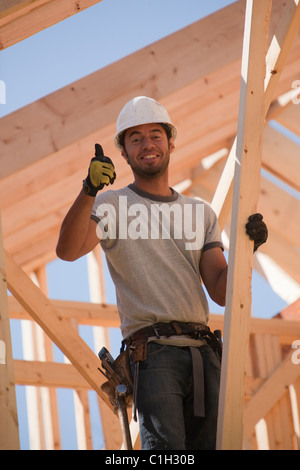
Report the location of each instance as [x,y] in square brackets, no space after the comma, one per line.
[171,144]
[124,154]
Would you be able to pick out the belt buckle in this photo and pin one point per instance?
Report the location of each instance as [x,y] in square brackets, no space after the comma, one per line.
[198,331]
[155,329]
[200,327]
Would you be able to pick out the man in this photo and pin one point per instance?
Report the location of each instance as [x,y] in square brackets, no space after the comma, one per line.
[160,248]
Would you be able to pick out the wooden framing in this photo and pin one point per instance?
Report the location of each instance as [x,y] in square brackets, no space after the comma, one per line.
[201,92]
[20,19]
[54,325]
[276,57]
[9,431]
[245,196]
[264,387]
[254,104]
[207,94]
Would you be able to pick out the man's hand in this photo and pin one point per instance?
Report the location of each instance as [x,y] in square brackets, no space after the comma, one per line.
[101,172]
[257,230]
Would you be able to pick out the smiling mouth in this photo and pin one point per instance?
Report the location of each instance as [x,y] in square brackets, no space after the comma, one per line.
[149,157]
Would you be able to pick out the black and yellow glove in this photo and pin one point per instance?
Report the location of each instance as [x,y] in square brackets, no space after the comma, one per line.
[101,172]
[257,230]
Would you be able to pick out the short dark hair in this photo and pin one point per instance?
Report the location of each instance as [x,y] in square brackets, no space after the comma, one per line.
[167,128]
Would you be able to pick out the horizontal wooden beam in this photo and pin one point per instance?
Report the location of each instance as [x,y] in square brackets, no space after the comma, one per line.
[54,374]
[20,19]
[59,375]
[48,374]
[85,313]
[106,315]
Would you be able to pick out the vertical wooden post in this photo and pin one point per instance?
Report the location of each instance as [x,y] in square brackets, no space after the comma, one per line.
[245,196]
[52,432]
[275,60]
[9,432]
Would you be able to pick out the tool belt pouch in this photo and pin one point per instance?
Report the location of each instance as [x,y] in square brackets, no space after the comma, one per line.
[138,348]
[121,375]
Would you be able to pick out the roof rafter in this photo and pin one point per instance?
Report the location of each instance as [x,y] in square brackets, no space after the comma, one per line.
[20,19]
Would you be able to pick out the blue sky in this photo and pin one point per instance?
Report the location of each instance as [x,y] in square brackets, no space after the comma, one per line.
[56,57]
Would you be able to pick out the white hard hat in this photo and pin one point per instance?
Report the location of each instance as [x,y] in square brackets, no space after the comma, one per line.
[142,110]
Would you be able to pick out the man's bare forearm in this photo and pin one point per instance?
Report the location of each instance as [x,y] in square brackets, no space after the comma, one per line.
[74,229]
[220,287]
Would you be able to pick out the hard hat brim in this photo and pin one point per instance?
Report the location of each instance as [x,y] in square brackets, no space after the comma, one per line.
[118,136]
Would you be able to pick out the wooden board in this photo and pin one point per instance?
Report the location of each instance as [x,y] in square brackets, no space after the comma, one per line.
[245,196]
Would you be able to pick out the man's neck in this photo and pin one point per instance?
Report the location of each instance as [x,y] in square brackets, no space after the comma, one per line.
[157,186]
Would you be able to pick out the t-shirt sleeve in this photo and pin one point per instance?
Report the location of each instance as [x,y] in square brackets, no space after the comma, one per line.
[97,202]
[213,237]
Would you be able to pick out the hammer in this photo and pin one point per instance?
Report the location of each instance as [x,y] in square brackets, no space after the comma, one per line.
[121,391]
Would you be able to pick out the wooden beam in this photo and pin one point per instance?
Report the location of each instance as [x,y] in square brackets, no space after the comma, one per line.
[9,431]
[46,352]
[49,374]
[245,196]
[292,312]
[270,392]
[267,358]
[286,330]
[85,313]
[288,27]
[289,117]
[284,255]
[282,211]
[276,57]
[280,208]
[279,278]
[54,325]
[196,139]
[20,19]
[60,375]
[282,107]
[281,157]
[222,200]
[55,122]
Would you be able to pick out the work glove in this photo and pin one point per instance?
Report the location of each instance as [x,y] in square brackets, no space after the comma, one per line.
[257,230]
[101,172]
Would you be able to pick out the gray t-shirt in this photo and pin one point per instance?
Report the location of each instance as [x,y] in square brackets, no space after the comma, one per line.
[153,246]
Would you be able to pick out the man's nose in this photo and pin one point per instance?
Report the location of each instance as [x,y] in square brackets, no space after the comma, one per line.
[148,143]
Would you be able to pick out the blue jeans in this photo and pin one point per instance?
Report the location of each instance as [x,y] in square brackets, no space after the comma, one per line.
[165,399]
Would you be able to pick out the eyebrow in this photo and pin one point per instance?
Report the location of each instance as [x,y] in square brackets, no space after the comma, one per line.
[138,132]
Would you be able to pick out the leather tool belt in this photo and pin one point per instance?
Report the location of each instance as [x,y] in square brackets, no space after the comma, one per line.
[137,345]
[138,341]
